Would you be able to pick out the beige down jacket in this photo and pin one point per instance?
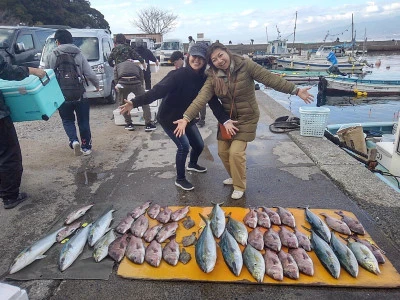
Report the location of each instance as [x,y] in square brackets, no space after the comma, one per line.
[245,108]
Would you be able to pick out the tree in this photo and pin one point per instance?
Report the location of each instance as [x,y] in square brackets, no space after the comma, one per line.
[7,18]
[153,20]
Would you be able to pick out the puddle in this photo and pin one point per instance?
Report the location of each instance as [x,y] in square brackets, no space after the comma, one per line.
[88,178]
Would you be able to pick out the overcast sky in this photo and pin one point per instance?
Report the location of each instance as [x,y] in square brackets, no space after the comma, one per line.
[241,21]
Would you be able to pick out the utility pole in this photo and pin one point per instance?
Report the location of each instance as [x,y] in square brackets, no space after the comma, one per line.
[294,33]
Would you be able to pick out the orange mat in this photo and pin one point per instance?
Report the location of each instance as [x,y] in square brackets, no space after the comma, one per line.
[389,277]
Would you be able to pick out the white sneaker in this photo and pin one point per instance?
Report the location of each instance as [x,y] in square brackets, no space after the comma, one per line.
[77,148]
[228,181]
[86,151]
[237,195]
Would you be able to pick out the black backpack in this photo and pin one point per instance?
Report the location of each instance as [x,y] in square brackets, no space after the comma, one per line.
[68,77]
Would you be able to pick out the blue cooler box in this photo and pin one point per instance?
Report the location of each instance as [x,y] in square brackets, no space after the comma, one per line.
[33,98]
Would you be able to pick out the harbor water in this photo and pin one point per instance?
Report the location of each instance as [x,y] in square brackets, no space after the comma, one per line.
[354,109]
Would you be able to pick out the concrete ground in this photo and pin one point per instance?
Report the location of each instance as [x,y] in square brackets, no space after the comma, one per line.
[129,168]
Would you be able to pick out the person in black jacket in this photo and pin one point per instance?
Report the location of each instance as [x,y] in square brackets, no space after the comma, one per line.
[178,89]
[147,56]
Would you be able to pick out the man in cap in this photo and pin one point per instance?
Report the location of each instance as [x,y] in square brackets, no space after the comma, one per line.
[177,59]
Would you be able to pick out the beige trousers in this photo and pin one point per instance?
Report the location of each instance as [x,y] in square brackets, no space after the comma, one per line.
[233,156]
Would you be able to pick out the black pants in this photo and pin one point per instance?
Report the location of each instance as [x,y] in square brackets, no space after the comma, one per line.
[147,78]
[10,160]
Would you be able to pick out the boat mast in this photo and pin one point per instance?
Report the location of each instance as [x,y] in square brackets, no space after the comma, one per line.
[352,36]
[294,33]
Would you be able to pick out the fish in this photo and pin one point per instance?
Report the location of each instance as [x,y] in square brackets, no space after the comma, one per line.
[76,214]
[135,250]
[189,240]
[345,256]
[117,248]
[289,265]
[171,253]
[73,248]
[125,224]
[325,255]
[353,224]
[304,241]
[256,239]
[68,230]
[273,215]
[100,250]
[337,225]
[217,219]
[254,262]
[34,252]
[140,210]
[263,219]
[286,217]
[206,248]
[364,256]
[231,253]
[100,227]
[184,257]
[273,265]
[250,219]
[376,251]
[153,254]
[272,240]
[188,223]
[288,238]
[179,214]
[317,225]
[151,232]
[140,226]
[166,232]
[164,216]
[303,261]
[153,210]
[237,229]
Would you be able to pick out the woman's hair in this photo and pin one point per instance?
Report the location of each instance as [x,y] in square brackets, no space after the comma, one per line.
[220,86]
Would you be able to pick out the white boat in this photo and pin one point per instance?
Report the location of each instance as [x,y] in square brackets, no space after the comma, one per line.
[318,65]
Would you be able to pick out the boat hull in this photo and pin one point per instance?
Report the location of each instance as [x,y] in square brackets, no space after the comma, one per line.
[318,66]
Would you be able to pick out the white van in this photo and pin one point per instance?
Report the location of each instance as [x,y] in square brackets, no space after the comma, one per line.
[168,46]
[96,46]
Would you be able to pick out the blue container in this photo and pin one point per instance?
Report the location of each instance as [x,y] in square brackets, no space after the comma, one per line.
[32,98]
[332,58]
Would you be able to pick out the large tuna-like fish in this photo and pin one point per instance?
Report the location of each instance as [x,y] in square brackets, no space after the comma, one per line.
[171,252]
[166,232]
[325,255]
[286,216]
[288,238]
[117,248]
[153,254]
[378,253]
[217,219]
[237,229]
[153,210]
[125,224]
[337,225]
[304,241]
[317,225]
[206,248]
[164,216]
[303,261]
[140,210]
[254,262]
[273,265]
[231,253]
[353,224]
[263,219]
[75,215]
[272,240]
[100,250]
[256,238]
[250,219]
[67,231]
[273,215]
[179,214]
[151,232]
[364,256]
[34,252]
[345,256]
[290,268]
[140,226]
[135,250]
[73,248]
[100,227]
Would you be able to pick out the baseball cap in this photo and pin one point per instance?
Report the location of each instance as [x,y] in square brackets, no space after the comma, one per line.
[199,49]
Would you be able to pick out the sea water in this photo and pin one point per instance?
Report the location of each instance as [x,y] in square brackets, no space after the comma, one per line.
[354,109]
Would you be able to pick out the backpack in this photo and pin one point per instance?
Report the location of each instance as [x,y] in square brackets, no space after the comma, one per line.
[68,77]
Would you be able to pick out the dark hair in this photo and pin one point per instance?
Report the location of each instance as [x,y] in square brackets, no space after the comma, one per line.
[176,55]
[63,36]
[214,47]
[120,38]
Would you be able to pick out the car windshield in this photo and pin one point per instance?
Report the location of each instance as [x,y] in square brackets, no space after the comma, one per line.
[88,45]
[170,46]
[6,37]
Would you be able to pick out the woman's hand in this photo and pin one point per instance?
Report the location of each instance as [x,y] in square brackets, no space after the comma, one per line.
[180,128]
[127,107]
[230,127]
[305,95]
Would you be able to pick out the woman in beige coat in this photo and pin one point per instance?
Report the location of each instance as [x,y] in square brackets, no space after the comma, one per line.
[231,78]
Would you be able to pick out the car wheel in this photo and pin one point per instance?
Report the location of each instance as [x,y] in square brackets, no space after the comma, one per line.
[112,98]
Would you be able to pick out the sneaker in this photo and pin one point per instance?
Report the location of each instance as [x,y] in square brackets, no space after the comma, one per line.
[201,123]
[86,151]
[184,184]
[196,168]
[130,127]
[11,203]
[228,181]
[237,195]
[150,127]
[77,148]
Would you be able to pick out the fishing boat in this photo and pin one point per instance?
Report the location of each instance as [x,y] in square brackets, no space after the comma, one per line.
[353,100]
[318,65]
[301,76]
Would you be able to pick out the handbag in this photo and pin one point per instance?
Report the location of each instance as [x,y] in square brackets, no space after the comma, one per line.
[225,135]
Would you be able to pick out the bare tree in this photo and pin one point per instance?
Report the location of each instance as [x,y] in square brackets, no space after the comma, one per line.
[153,20]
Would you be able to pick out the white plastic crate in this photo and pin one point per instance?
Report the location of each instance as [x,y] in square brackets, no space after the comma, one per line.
[313,120]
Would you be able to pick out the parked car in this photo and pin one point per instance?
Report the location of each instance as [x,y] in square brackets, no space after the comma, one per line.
[96,46]
[168,46]
[22,45]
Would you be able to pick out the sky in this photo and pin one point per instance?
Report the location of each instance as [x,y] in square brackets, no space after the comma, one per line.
[260,20]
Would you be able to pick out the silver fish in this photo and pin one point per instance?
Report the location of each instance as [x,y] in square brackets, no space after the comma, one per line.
[364,256]
[272,240]
[100,227]
[263,219]
[153,210]
[317,225]
[135,250]
[237,229]
[125,224]
[179,214]
[171,252]
[288,238]
[140,210]
[256,239]
[273,265]
[166,232]
[117,248]
[165,215]
[304,241]
[153,254]
[254,262]
[286,217]
[325,255]
[250,219]
[100,250]
[231,253]
[273,215]
[303,261]
[67,231]
[73,248]
[290,268]
[189,240]
[151,233]
[206,248]
[345,256]
[337,225]
[140,226]
[217,219]
[184,257]
[75,215]
[34,252]
[353,224]
[376,251]
[188,223]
